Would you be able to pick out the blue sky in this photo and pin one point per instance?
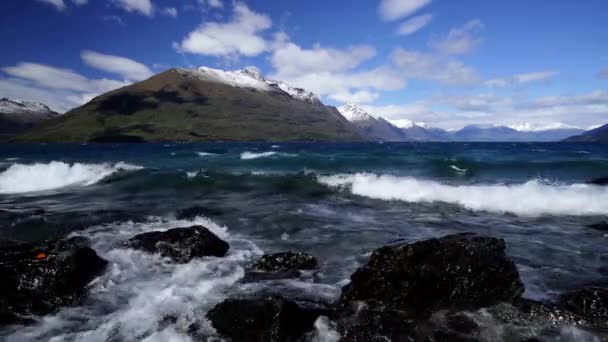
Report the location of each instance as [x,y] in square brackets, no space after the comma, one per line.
[527,64]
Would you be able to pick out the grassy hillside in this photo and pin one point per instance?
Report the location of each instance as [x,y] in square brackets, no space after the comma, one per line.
[174,106]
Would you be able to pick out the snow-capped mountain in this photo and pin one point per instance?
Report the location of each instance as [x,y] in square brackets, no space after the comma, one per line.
[354,113]
[251,77]
[8,106]
[18,116]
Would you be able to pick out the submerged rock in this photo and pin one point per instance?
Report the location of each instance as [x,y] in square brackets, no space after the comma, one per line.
[286,261]
[38,280]
[269,319]
[360,322]
[461,272]
[590,303]
[602,226]
[181,244]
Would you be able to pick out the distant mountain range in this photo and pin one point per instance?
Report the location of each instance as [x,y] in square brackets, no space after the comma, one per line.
[202,104]
[599,134]
[208,104]
[382,130]
[19,116]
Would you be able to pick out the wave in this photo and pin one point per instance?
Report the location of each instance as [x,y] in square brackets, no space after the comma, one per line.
[457,169]
[255,155]
[23,178]
[533,198]
[206,154]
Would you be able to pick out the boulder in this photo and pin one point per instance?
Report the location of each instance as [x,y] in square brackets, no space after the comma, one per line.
[269,319]
[599,181]
[590,303]
[601,226]
[460,272]
[360,322]
[286,261]
[38,280]
[181,244]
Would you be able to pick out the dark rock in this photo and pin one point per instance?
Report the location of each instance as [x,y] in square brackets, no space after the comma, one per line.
[543,313]
[181,244]
[360,322]
[590,303]
[603,226]
[193,212]
[271,319]
[38,280]
[461,272]
[286,261]
[599,181]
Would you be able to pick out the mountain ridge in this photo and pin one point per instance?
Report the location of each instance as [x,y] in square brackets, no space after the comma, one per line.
[18,116]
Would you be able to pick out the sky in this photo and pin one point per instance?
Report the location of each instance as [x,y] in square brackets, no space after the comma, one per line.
[526,64]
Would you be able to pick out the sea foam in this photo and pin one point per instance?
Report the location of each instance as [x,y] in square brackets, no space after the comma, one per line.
[533,198]
[254,155]
[23,178]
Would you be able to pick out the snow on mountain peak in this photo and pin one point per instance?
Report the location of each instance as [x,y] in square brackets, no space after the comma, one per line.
[251,77]
[352,113]
[536,127]
[14,106]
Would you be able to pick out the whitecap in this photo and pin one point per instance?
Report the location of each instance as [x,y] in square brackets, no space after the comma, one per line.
[457,169]
[23,178]
[254,155]
[206,154]
[533,198]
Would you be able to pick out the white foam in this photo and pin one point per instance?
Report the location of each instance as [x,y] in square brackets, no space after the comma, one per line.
[23,178]
[254,155]
[139,291]
[457,169]
[532,198]
[206,154]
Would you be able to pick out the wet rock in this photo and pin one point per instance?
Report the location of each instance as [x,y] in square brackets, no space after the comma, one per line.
[602,226]
[541,313]
[590,303]
[193,212]
[360,322]
[38,280]
[272,319]
[181,244]
[599,181]
[460,272]
[286,261]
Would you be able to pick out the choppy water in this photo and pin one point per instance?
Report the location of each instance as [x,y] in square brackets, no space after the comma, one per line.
[337,202]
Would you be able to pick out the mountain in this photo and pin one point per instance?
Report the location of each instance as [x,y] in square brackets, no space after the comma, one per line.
[599,134]
[478,133]
[202,104]
[375,129]
[19,116]
[419,133]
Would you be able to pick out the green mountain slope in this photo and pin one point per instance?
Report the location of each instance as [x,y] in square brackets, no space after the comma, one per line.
[194,105]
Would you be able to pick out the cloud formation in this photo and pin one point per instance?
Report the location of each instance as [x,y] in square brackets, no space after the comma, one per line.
[460,40]
[391,10]
[144,7]
[58,4]
[126,68]
[414,24]
[430,67]
[522,79]
[240,36]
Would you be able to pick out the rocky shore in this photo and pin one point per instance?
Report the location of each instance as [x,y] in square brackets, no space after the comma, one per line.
[445,289]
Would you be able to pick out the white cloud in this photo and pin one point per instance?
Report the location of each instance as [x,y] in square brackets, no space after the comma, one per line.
[414,24]
[240,36]
[496,83]
[215,3]
[144,7]
[361,96]
[60,88]
[425,66]
[535,76]
[292,60]
[170,11]
[460,40]
[124,67]
[396,9]
[58,4]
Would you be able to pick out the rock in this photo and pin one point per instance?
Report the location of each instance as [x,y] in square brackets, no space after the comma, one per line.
[271,319]
[460,272]
[602,226]
[286,261]
[590,303]
[193,212]
[599,181]
[360,322]
[541,313]
[181,244]
[38,280]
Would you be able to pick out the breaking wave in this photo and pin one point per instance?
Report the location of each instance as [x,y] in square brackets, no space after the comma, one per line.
[532,198]
[23,178]
[255,155]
